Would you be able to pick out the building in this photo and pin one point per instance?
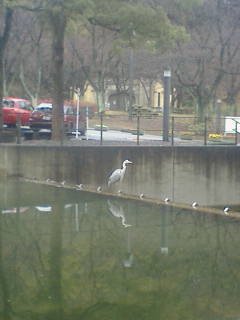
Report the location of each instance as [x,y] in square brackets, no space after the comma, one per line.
[146,95]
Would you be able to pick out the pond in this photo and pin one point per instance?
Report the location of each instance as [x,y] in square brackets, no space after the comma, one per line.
[71,255]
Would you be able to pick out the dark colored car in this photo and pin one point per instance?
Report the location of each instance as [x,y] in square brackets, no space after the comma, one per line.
[15,109]
[41,118]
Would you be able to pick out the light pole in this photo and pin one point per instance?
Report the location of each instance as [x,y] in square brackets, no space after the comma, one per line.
[166,107]
[218,116]
[77,91]
[131,70]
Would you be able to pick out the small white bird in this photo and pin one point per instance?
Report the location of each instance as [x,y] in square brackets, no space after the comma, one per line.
[99,189]
[141,196]
[50,181]
[166,200]
[63,182]
[226,210]
[195,205]
[118,174]
[79,186]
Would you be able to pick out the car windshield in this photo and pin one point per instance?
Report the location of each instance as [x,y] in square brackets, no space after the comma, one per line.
[8,103]
[43,107]
[25,105]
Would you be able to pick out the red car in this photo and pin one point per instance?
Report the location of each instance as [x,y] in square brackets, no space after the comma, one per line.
[14,109]
[41,118]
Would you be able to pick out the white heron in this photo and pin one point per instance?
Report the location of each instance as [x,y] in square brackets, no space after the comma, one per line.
[118,174]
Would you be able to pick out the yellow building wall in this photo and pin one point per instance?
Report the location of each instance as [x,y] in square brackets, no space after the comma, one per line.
[89,95]
[157,95]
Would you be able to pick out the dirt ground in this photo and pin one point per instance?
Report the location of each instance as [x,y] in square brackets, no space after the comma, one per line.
[151,125]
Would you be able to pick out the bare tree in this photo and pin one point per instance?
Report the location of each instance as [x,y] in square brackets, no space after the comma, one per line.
[4,36]
[201,65]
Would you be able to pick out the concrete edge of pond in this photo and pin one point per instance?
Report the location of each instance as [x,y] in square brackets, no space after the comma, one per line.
[140,198]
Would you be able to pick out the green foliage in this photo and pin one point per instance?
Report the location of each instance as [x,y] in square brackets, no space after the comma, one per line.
[135,24]
[138,23]
[189,4]
[180,11]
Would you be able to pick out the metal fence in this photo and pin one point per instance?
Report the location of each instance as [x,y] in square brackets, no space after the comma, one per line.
[182,129]
[144,129]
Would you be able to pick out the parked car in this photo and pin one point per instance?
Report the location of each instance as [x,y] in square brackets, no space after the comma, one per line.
[41,118]
[14,109]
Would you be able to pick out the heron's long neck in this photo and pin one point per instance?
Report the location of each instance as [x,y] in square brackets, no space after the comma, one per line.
[123,172]
[124,166]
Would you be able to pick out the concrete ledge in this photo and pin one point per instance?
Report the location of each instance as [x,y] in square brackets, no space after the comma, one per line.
[142,198]
[207,175]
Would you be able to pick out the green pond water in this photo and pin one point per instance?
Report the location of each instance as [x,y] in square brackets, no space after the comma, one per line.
[70,255]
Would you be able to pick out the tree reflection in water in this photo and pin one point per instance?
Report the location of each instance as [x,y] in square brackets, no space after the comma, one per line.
[79,263]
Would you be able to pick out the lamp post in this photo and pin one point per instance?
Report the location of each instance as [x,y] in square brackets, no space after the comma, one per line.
[131,70]
[218,116]
[77,91]
[166,107]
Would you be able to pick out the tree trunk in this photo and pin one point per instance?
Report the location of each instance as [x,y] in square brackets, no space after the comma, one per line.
[3,43]
[1,87]
[58,23]
[200,108]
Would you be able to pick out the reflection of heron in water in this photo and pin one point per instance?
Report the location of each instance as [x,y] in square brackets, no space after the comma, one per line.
[117,211]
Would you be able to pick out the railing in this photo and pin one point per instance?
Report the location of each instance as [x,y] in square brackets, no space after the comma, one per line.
[183,129]
[146,129]
[236,130]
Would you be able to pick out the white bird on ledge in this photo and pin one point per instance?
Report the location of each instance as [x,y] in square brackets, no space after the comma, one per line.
[118,174]
[226,210]
[80,186]
[195,205]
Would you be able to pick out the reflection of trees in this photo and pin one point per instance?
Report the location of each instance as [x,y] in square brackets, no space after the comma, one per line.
[81,271]
[55,262]
[5,305]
